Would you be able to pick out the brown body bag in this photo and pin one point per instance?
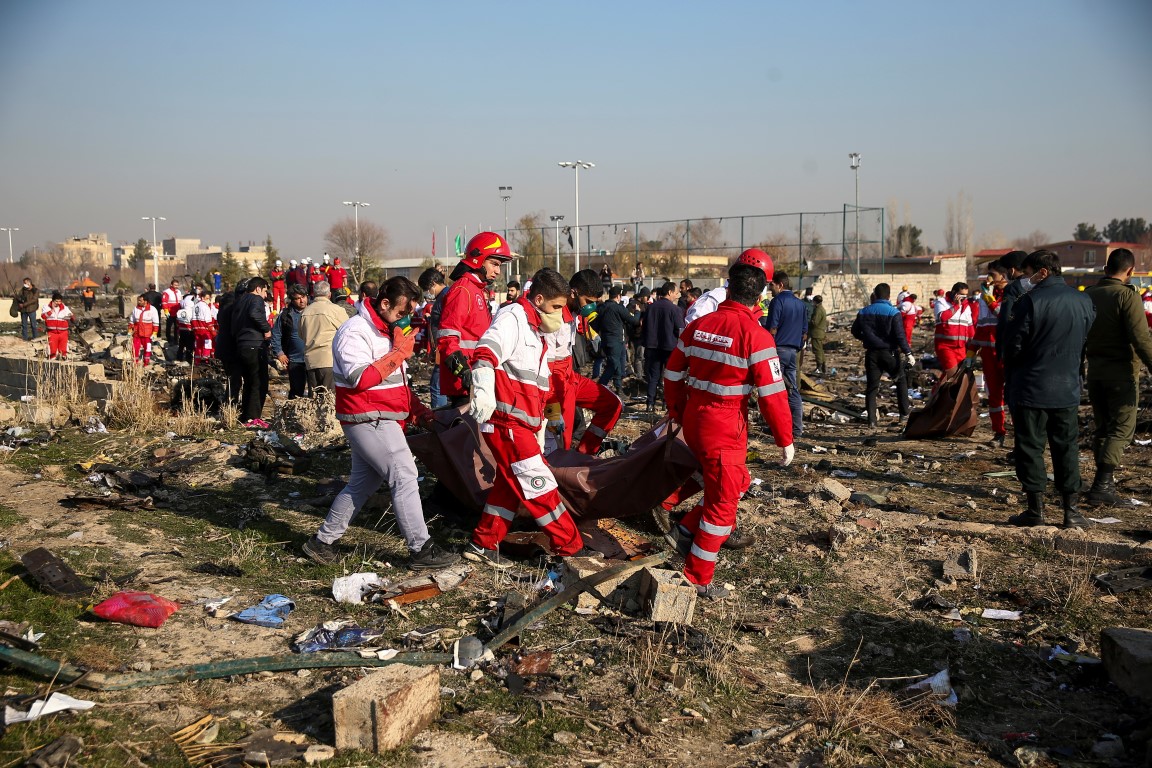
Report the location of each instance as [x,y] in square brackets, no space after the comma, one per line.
[951,411]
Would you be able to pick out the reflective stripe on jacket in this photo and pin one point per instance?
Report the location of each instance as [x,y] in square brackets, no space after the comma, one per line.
[720,360]
[359,343]
[464,318]
[954,321]
[515,348]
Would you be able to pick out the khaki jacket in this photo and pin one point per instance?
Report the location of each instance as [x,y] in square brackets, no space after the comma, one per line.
[318,324]
[1120,337]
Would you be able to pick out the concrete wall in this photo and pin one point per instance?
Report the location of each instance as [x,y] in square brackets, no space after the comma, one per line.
[841,294]
[18,377]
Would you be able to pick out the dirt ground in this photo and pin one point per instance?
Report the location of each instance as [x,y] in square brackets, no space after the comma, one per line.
[838,608]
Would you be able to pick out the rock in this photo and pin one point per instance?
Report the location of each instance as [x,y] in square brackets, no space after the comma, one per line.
[1030,757]
[1127,655]
[565,738]
[961,566]
[868,499]
[839,534]
[794,602]
[1110,746]
[835,489]
[387,708]
[318,753]
[934,466]
[141,666]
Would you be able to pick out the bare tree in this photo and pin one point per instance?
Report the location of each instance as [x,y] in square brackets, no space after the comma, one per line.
[374,240]
[1030,241]
[529,244]
[958,225]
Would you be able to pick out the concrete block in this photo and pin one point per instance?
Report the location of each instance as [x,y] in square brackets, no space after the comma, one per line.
[387,708]
[901,520]
[1127,655]
[7,413]
[955,528]
[42,413]
[667,595]
[1078,543]
[580,567]
[835,489]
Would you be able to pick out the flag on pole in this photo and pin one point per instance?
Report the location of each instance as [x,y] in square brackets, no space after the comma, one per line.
[433,245]
[459,245]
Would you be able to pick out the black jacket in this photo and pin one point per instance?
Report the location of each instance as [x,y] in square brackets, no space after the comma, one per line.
[612,318]
[249,321]
[880,326]
[1012,293]
[1044,345]
[663,323]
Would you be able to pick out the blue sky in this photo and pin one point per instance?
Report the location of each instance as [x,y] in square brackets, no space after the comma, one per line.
[238,120]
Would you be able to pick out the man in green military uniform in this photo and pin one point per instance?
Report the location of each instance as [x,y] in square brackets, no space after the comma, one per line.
[1043,352]
[1118,341]
[817,330]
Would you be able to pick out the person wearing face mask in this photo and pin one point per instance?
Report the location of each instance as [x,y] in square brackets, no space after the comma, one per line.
[509,385]
[954,327]
[568,390]
[987,312]
[720,360]
[431,282]
[466,315]
[373,401]
[1043,352]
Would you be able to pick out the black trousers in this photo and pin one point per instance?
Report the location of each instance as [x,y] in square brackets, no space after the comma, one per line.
[252,363]
[171,327]
[1060,429]
[878,362]
[320,377]
[297,379]
[187,345]
[654,362]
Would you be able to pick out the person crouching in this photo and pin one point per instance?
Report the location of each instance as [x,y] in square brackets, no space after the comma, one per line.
[373,399]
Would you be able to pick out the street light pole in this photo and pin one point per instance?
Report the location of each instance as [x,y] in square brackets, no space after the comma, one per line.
[155,256]
[576,165]
[506,195]
[854,157]
[9,230]
[356,206]
[556,220]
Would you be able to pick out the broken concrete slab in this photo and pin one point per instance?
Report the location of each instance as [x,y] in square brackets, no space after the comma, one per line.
[667,595]
[1081,543]
[581,567]
[386,709]
[840,534]
[835,490]
[1127,655]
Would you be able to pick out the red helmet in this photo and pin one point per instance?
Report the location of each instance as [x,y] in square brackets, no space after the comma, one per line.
[757,258]
[486,245]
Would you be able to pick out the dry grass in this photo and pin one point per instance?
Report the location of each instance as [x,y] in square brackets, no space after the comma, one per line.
[58,385]
[133,407]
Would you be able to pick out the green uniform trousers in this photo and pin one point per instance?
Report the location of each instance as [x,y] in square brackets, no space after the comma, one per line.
[1059,428]
[818,351]
[1114,406]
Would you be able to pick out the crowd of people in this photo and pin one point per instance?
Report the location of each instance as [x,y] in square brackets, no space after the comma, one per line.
[703,358]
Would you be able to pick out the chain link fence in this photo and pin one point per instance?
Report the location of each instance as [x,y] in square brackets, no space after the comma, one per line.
[806,245]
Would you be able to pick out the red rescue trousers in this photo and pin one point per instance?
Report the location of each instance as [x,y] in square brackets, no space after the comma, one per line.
[203,344]
[717,433]
[522,478]
[142,349]
[909,325]
[279,295]
[57,344]
[581,392]
[951,353]
[994,382]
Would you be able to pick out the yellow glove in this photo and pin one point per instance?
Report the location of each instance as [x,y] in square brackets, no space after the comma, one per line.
[555,416]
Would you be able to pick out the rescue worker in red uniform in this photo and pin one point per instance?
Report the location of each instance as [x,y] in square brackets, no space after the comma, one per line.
[987,312]
[466,314]
[954,326]
[509,387]
[57,318]
[568,390]
[279,286]
[144,323]
[204,327]
[720,360]
[337,275]
[297,274]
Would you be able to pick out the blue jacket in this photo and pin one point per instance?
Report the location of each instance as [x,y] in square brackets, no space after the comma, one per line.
[1044,346]
[663,322]
[787,320]
[286,335]
[880,326]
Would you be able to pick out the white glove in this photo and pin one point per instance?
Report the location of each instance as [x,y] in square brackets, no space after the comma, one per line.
[787,453]
[483,401]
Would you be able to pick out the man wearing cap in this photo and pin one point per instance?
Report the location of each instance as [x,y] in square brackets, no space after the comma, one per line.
[318,325]
[337,276]
[466,314]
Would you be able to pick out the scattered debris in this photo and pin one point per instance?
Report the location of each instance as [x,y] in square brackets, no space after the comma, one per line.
[999,614]
[1125,579]
[939,686]
[56,702]
[140,609]
[335,636]
[53,575]
[269,612]
[58,754]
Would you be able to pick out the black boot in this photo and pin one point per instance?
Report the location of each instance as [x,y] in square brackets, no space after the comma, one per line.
[1035,512]
[1103,490]
[1072,516]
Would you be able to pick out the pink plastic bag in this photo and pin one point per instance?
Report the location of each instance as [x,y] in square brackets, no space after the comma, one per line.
[139,609]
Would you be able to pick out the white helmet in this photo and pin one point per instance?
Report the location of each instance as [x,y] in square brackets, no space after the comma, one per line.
[279,263]
[292,262]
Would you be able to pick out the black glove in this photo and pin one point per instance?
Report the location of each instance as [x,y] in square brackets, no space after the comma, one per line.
[458,366]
